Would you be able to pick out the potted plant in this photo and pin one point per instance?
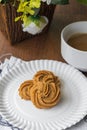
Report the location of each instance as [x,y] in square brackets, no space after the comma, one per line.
[20,19]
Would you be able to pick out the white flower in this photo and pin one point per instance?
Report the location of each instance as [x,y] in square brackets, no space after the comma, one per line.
[47,1]
[33,28]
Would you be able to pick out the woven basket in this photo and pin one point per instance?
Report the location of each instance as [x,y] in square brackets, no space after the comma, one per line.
[13,30]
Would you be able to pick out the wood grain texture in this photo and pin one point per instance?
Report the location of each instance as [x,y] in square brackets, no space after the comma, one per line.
[47,45]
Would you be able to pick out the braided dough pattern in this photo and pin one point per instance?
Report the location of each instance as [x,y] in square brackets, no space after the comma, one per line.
[43,90]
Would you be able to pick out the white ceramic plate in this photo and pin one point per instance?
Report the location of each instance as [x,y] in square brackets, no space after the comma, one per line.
[23,114]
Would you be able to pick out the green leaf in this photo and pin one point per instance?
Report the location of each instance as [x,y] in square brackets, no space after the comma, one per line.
[83,1]
[36,20]
[4,1]
[62,2]
[26,20]
[33,19]
[17,18]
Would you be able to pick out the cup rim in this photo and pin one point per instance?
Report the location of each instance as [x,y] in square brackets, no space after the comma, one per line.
[62,32]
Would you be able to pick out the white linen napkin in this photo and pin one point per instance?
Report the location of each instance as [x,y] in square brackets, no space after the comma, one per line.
[5,67]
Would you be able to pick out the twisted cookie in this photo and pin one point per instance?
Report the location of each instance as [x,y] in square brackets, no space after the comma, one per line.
[46,94]
[43,90]
[24,90]
[40,75]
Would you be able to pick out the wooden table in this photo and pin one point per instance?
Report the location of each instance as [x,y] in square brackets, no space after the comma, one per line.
[47,46]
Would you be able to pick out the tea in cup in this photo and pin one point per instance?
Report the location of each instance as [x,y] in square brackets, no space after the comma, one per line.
[74,44]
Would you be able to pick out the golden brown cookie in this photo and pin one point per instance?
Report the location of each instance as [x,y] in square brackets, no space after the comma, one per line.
[43,90]
[46,94]
[40,75]
[24,90]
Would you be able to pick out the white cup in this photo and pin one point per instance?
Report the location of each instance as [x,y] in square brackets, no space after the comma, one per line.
[73,56]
